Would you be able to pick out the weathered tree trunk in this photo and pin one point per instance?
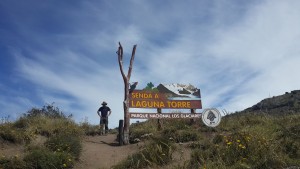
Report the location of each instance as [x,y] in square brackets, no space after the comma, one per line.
[193,111]
[159,121]
[126,80]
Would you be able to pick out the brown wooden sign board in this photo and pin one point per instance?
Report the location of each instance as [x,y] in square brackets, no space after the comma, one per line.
[165,115]
[166,104]
[149,99]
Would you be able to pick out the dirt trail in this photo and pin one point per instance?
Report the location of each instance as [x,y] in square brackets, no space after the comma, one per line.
[102,152]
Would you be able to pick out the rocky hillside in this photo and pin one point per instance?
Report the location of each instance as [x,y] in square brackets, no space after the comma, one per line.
[286,103]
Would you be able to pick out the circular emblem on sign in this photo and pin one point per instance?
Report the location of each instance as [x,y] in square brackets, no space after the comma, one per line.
[211,117]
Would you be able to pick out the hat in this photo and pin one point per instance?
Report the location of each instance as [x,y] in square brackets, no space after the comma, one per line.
[104,103]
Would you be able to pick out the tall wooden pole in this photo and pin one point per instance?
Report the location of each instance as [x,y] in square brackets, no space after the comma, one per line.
[126,80]
[159,122]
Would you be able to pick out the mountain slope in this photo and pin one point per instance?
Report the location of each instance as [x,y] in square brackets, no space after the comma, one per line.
[179,90]
[286,103]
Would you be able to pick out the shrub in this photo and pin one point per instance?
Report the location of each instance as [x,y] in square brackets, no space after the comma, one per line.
[48,110]
[7,134]
[12,163]
[157,152]
[46,126]
[46,121]
[289,137]
[13,135]
[202,144]
[89,130]
[139,130]
[187,135]
[180,135]
[178,124]
[21,123]
[65,143]
[43,158]
[61,149]
[237,150]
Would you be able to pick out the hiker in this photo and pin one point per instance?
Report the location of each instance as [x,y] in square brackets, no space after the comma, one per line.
[104,109]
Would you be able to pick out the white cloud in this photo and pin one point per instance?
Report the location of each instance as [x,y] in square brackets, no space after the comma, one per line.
[266,41]
[85,89]
[267,35]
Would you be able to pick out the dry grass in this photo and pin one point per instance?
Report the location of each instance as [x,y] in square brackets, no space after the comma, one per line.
[240,141]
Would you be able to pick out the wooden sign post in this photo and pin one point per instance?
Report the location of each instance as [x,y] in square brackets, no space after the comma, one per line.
[175,96]
[184,97]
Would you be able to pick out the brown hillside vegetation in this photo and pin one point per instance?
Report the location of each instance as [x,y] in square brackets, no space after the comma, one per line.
[264,137]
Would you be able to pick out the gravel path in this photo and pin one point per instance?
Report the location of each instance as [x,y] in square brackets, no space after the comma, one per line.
[102,152]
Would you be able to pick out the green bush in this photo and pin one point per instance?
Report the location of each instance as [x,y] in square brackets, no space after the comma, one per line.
[202,144]
[65,143]
[90,130]
[7,134]
[169,132]
[12,163]
[237,150]
[45,159]
[48,110]
[47,126]
[180,135]
[21,123]
[289,137]
[46,122]
[139,130]
[14,135]
[186,136]
[158,152]
[178,124]
[200,157]
[62,147]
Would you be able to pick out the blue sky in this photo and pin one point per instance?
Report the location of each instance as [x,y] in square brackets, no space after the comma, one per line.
[237,52]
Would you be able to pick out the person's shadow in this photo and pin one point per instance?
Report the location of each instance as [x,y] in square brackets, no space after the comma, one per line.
[103,142]
[111,144]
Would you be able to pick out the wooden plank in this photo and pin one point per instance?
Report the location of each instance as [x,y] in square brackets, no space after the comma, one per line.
[164,115]
[147,99]
[166,104]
